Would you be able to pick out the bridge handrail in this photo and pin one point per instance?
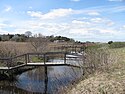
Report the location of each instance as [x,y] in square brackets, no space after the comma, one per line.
[4,59]
[16,61]
[45,53]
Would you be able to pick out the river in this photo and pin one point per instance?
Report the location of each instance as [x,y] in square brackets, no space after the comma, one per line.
[41,80]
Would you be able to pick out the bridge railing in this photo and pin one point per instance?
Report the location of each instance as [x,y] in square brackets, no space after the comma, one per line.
[46,58]
[43,58]
[13,61]
[4,62]
[18,60]
[74,59]
[56,57]
[34,57]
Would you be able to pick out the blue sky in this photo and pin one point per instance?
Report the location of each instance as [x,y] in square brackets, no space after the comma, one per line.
[83,20]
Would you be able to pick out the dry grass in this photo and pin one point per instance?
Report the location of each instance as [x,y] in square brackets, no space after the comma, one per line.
[15,47]
[10,48]
[106,82]
[99,84]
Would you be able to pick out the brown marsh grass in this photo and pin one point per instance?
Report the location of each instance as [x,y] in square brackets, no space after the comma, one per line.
[111,81]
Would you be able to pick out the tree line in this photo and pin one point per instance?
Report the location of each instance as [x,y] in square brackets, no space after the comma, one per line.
[13,37]
[28,35]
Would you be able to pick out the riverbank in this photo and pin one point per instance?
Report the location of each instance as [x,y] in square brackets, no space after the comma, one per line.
[11,74]
[111,81]
[101,83]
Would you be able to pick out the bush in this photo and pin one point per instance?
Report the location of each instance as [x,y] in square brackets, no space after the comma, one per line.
[110,42]
[95,59]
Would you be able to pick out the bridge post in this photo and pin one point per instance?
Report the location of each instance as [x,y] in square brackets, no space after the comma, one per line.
[75,49]
[72,49]
[44,58]
[26,59]
[9,61]
[64,58]
[45,80]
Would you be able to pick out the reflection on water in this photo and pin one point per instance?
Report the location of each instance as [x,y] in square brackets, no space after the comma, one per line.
[47,80]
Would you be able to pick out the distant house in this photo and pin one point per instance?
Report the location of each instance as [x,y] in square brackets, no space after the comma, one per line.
[59,41]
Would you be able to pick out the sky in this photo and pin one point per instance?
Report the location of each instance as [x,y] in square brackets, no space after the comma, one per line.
[82,20]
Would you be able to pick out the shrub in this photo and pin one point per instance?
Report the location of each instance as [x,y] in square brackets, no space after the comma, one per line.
[95,59]
[110,42]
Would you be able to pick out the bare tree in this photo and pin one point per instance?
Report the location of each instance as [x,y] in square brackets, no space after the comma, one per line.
[39,43]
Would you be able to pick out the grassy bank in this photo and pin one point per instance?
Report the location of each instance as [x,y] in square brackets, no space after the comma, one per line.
[111,81]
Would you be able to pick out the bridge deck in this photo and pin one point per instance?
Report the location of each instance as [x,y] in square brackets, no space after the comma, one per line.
[46,64]
[10,68]
[34,64]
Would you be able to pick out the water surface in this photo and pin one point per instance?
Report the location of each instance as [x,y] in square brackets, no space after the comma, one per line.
[41,80]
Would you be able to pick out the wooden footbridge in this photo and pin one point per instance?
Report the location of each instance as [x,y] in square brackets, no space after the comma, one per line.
[39,59]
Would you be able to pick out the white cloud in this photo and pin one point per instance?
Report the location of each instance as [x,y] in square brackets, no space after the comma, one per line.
[8,8]
[2,25]
[93,28]
[93,13]
[118,9]
[104,21]
[92,31]
[110,23]
[123,26]
[89,12]
[53,14]
[35,14]
[81,31]
[3,31]
[57,13]
[97,20]
[30,7]
[104,9]
[107,31]
[83,23]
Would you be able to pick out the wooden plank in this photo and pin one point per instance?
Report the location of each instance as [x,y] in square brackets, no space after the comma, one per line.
[18,66]
[4,68]
[40,64]
[73,65]
[47,63]
[72,56]
[10,68]
[34,64]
